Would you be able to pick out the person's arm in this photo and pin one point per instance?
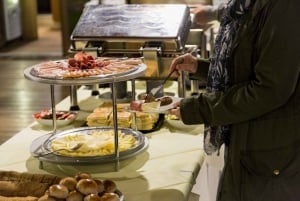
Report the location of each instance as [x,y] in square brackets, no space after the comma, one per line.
[202,70]
[276,74]
[220,10]
[204,14]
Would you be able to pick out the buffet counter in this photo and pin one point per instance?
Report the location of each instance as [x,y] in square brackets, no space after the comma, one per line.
[165,171]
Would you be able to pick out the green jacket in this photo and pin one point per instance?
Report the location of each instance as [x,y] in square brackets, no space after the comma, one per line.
[262,106]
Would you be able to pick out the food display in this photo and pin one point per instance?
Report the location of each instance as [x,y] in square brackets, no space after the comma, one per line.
[142,105]
[166,100]
[96,143]
[93,145]
[171,117]
[17,186]
[84,65]
[60,115]
[82,187]
[158,105]
[44,117]
[103,116]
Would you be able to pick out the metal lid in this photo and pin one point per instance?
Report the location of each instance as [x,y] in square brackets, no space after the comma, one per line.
[136,23]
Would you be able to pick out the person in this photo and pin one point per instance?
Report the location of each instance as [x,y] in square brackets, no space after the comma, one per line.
[252,100]
[207,180]
[203,14]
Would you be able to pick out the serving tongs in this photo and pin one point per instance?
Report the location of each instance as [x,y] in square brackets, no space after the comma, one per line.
[150,96]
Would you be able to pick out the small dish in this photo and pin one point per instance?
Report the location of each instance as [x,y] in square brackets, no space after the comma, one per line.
[164,108]
[136,106]
[63,118]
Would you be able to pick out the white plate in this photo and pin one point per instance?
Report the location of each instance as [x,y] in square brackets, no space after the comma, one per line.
[41,147]
[164,108]
[59,122]
[49,122]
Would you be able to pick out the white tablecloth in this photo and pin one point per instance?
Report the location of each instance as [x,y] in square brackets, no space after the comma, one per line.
[166,171]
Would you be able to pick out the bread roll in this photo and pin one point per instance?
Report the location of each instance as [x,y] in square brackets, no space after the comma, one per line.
[110,197]
[69,182]
[82,175]
[92,197]
[100,185]
[87,186]
[75,196]
[58,191]
[17,198]
[109,186]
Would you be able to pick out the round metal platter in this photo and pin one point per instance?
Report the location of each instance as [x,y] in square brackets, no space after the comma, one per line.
[117,77]
[41,146]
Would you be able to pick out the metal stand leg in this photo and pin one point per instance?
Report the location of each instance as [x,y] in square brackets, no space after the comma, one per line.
[41,164]
[95,90]
[133,98]
[115,117]
[73,98]
[53,109]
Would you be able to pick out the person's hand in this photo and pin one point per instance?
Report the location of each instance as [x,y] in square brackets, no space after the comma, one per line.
[175,110]
[204,14]
[186,62]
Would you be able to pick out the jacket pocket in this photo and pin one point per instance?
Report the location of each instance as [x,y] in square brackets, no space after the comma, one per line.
[272,175]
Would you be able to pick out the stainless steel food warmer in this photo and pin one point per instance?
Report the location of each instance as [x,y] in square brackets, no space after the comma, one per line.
[155,32]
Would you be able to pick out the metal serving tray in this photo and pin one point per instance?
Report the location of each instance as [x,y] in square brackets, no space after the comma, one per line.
[136,72]
[130,26]
[41,146]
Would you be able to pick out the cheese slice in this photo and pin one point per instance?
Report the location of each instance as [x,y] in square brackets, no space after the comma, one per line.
[151,106]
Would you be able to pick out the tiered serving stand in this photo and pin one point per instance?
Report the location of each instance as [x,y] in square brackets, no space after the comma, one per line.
[40,145]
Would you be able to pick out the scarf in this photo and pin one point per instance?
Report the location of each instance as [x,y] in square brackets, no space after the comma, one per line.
[218,79]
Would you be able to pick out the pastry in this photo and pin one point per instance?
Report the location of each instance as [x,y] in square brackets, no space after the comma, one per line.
[82,175]
[87,186]
[17,184]
[146,121]
[69,182]
[109,186]
[143,121]
[151,106]
[110,197]
[58,191]
[92,197]
[100,185]
[75,196]
[124,119]
[98,118]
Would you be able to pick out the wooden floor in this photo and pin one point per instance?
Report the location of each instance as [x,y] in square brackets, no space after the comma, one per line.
[19,97]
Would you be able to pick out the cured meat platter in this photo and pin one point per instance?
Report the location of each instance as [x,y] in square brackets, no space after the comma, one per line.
[85,69]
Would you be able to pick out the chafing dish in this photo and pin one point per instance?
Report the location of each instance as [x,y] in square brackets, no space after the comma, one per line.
[156,32]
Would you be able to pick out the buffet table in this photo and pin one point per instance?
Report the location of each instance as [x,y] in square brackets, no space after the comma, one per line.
[165,171]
